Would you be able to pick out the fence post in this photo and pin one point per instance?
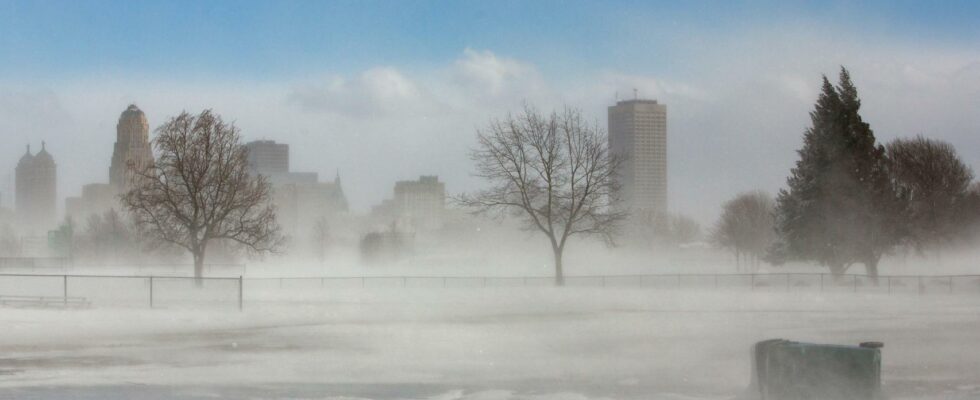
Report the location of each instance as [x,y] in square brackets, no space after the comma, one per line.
[151,291]
[821,282]
[65,285]
[241,295]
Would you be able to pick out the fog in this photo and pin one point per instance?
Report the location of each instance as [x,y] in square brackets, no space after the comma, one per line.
[461,219]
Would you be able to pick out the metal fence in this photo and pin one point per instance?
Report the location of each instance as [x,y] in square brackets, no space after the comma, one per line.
[174,291]
[122,291]
[786,282]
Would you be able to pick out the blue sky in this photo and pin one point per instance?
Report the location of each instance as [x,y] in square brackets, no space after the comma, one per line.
[386,91]
[269,39]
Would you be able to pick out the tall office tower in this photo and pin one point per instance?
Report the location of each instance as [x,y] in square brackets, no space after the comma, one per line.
[266,157]
[638,131]
[132,148]
[36,186]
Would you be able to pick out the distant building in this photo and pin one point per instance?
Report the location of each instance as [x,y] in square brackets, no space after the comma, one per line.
[36,190]
[96,198]
[271,159]
[300,205]
[301,199]
[421,204]
[638,131]
[268,158]
[132,148]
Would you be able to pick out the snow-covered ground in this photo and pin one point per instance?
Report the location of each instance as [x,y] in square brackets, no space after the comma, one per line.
[477,344]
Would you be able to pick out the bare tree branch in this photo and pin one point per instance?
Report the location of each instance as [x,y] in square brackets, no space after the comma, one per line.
[199,190]
[554,172]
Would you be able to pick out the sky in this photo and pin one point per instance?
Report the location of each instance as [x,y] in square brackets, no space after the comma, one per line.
[387,91]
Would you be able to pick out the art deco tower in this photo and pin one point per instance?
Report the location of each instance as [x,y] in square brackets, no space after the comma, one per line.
[132,146]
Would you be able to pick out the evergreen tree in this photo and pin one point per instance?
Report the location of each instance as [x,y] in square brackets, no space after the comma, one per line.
[840,207]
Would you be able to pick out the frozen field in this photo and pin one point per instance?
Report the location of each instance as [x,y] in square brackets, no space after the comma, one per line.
[477,344]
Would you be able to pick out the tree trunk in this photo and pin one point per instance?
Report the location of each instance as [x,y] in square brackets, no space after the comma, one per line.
[199,267]
[871,266]
[559,273]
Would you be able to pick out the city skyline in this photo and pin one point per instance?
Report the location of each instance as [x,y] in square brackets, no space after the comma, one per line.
[413,109]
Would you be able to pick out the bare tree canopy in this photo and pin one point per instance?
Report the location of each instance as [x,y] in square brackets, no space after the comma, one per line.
[937,186]
[108,236]
[199,190]
[553,172]
[747,226]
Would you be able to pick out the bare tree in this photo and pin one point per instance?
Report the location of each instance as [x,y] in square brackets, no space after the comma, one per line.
[937,186]
[747,226]
[553,172]
[199,190]
[683,229]
[108,235]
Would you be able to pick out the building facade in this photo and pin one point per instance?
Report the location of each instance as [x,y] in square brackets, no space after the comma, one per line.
[638,132]
[132,148]
[301,199]
[419,204]
[268,158]
[36,190]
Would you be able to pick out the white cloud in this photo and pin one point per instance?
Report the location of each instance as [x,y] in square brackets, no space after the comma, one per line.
[376,92]
[736,112]
[486,75]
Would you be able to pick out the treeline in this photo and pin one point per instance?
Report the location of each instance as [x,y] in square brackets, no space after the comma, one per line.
[850,200]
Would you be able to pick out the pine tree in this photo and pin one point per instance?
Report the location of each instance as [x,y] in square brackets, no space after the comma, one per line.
[839,208]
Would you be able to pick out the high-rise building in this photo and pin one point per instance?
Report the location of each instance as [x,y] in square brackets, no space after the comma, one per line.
[266,157]
[421,203]
[638,131]
[36,190]
[301,199]
[132,148]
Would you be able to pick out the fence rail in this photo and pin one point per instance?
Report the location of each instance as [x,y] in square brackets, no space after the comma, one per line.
[174,291]
[127,290]
[786,281]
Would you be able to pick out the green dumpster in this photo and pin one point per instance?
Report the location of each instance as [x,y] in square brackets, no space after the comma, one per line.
[785,370]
